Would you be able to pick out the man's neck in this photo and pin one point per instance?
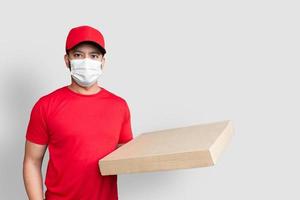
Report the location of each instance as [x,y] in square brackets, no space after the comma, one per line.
[83,90]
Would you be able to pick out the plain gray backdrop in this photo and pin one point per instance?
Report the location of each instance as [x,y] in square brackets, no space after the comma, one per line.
[176,63]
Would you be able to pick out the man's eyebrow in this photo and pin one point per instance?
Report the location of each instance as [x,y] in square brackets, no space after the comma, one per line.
[93,52]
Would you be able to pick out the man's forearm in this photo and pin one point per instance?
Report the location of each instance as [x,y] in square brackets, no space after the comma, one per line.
[33,181]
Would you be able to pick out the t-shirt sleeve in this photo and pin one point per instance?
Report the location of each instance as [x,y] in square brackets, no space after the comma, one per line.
[126,132]
[37,127]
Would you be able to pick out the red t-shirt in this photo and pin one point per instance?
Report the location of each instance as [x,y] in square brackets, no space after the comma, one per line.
[79,130]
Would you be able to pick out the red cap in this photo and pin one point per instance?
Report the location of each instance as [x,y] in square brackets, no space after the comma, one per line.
[84,34]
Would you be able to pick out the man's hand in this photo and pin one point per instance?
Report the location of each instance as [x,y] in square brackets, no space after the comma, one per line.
[32,175]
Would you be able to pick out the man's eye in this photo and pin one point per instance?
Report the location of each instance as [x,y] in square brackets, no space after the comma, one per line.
[94,56]
[76,55]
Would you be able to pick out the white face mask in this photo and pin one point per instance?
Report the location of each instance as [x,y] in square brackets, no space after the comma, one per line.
[85,71]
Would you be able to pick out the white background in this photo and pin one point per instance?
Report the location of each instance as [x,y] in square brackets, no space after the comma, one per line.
[176,63]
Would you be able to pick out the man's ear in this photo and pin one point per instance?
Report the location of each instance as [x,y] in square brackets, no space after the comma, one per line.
[67,61]
[103,62]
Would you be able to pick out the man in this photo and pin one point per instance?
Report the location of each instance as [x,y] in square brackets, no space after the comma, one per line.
[80,124]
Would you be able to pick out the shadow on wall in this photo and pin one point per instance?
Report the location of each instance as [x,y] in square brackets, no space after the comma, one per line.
[19,93]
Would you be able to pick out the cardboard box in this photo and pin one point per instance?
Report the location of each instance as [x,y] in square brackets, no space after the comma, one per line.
[177,148]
